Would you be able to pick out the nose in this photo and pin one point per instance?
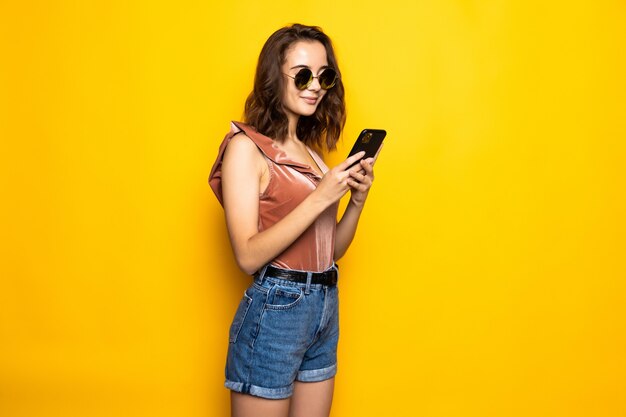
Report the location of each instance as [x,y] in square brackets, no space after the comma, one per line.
[315,84]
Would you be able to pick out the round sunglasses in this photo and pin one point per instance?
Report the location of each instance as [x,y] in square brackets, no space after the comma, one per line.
[304,78]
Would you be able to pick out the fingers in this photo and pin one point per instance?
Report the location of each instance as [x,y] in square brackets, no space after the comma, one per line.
[359,186]
[368,166]
[364,168]
[351,160]
[357,168]
[361,166]
[357,180]
[360,177]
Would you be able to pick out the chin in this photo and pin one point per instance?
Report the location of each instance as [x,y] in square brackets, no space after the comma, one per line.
[307,111]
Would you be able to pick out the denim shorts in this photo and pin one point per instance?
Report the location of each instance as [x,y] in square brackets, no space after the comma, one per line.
[282,332]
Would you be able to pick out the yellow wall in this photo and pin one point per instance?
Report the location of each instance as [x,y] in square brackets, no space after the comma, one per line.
[487,277]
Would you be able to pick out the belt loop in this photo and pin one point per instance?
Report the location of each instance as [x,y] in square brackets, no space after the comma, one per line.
[309,275]
[259,277]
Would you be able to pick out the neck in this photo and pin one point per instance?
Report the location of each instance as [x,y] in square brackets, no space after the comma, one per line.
[293,124]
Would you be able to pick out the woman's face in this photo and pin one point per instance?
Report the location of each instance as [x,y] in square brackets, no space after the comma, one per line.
[303,54]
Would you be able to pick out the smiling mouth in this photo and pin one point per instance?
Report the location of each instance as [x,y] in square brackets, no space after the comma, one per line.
[310,100]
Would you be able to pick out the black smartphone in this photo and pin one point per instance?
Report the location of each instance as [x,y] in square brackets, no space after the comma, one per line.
[369,141]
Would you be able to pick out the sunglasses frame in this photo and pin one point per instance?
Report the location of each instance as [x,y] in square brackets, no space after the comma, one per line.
[311,77]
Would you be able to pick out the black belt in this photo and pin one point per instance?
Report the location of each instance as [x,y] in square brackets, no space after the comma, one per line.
[325,278]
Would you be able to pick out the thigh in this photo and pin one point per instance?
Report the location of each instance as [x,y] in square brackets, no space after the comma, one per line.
[312,399]
[244,405]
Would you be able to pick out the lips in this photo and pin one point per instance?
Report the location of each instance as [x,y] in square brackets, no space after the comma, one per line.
[310,100]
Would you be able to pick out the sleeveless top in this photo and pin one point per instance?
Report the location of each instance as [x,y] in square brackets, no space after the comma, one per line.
[289,184]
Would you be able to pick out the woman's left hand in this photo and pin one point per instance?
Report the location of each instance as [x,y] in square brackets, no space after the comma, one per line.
[361,181]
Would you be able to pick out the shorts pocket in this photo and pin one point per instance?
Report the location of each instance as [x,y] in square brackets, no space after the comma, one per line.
[240,316]
[283,297]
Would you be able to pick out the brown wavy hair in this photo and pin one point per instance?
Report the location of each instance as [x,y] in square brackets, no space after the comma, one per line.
[264,110]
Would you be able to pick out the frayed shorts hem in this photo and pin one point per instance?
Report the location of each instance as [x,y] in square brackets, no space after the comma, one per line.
[313,375]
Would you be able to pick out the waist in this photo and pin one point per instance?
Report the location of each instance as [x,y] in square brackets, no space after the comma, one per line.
[313,250]
[328,277]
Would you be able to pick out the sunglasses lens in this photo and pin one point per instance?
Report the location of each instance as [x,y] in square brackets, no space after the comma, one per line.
[328,78]
[303,78]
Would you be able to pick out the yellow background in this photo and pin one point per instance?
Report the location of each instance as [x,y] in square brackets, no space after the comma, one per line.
[487,276]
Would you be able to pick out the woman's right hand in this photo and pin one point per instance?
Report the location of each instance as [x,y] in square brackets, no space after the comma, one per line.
[334,184]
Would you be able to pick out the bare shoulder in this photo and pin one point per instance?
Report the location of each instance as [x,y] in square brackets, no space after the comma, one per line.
[241,146]
[241,142]
[241,151]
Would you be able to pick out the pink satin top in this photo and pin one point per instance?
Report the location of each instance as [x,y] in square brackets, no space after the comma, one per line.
[290,183]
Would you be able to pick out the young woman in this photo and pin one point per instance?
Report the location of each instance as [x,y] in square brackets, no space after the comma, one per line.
[281,201]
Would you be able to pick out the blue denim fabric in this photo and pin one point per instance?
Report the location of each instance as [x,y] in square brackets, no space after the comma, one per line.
[282,331]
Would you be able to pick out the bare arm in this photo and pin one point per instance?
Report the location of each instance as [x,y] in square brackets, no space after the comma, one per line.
[242,170]
[346,229]
[360,183]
